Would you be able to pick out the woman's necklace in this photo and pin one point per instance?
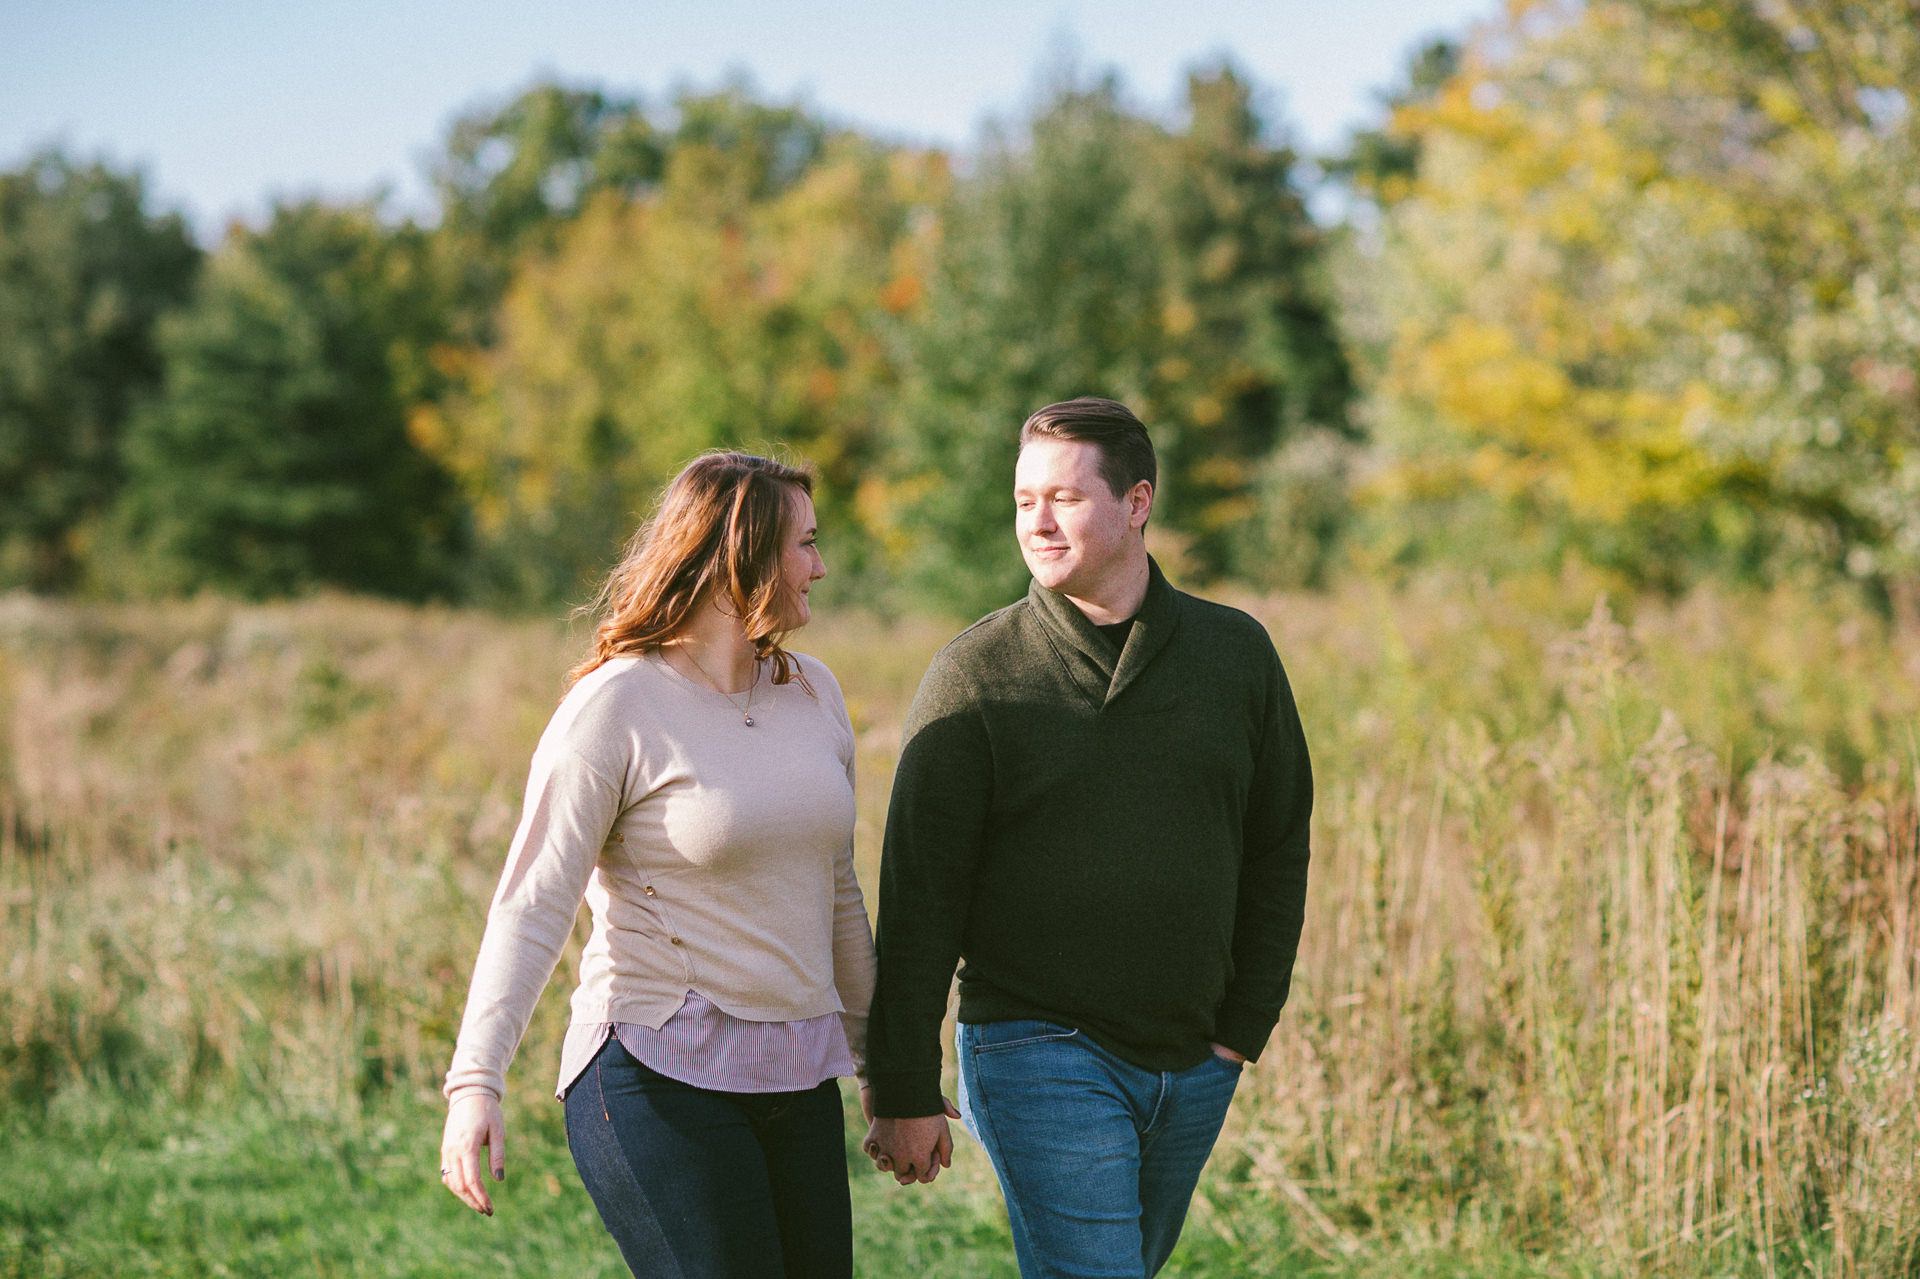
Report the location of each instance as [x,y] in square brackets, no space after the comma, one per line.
[745,718]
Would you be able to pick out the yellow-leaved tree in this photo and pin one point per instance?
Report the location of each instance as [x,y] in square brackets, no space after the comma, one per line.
[721,309]
[1653,295]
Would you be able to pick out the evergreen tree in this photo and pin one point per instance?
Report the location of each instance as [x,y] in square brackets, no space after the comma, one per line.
[1104,254]
[277,456]
[1381,164]
[1251,360]
[85,271]
[1046,286]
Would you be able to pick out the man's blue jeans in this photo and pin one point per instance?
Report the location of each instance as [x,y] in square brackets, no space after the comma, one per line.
[1097,1157]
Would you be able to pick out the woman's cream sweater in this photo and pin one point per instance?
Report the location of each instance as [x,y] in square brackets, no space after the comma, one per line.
[715,857]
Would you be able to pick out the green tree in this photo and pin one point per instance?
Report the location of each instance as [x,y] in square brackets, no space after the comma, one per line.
[1249,361]
[85,270]
[1380,164]
[1046,285]
[1100,252]
[729,150]
[277,456]
[509,177]
[515,172]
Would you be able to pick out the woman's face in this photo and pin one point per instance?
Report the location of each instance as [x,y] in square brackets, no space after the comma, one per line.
[800,563]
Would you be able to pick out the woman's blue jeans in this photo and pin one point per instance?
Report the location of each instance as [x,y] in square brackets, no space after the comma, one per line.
[698,1184]
[1097,1157]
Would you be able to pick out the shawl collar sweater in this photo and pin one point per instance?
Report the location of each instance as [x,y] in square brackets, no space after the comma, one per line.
[1115,841]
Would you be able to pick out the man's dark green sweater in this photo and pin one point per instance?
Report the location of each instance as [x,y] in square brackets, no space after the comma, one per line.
[1114,841]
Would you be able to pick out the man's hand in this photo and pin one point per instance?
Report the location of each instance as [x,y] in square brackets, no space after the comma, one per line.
[912,1149]
[1225,1053]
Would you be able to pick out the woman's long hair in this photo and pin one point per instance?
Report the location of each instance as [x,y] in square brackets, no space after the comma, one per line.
[717,533]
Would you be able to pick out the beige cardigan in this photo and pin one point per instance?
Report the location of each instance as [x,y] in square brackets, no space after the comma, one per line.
[714,857]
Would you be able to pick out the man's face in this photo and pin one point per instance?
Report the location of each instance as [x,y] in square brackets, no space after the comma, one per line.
[1073,530]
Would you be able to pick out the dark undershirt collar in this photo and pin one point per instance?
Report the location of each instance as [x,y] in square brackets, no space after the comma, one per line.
[1117,632]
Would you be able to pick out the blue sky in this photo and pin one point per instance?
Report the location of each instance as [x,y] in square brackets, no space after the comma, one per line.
[226,103]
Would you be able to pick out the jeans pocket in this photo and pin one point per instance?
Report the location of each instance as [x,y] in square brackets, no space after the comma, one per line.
[998,1036]
[1231,1067]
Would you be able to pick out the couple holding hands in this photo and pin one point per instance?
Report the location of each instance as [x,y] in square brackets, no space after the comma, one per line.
[1099,815]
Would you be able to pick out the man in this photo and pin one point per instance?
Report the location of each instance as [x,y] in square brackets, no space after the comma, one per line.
[1101,806]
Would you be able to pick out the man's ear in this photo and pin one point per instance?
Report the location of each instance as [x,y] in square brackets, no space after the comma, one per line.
[1139,504]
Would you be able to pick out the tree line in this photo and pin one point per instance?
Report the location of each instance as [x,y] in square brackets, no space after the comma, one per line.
[1628,283]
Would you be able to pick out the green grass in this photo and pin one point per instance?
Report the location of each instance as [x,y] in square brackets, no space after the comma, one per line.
[255,1189]
[251,1188]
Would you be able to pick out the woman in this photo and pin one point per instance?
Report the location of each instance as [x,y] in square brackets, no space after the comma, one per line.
[696,784]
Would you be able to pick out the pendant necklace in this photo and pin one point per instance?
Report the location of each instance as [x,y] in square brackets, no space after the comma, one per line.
[745,717]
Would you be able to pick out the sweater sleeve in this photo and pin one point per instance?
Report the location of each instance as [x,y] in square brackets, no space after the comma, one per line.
[570,808]
[936,829]
[853,960]
[1273,875]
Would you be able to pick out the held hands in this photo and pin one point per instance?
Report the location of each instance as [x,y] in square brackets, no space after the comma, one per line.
[913,1150]
[1225,1053]
[473,1125]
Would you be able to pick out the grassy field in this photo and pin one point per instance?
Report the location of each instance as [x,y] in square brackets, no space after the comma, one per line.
[1612,962]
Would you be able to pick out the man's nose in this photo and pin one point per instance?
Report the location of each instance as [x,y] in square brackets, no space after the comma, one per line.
[1043,517]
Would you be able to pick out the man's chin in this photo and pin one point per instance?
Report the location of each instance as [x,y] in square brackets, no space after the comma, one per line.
[1049,573]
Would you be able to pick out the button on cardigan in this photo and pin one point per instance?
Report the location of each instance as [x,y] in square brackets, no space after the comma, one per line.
[714,857]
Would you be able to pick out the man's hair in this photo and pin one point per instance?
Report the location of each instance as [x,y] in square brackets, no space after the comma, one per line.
[1126,454]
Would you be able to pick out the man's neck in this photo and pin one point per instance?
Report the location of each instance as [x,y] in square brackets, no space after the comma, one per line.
[1120,597]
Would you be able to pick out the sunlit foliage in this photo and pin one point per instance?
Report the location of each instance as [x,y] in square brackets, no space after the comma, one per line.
[1653,297]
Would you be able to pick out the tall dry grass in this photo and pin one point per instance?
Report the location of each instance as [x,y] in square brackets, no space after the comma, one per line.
[1612,943]
[1592,980]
